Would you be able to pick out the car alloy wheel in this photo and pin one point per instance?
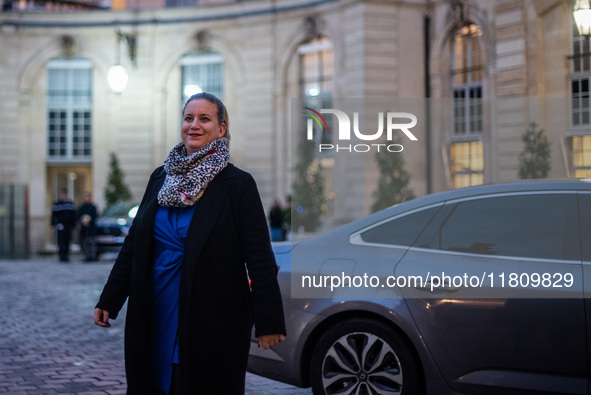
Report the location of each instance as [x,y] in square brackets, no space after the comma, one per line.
[362,357]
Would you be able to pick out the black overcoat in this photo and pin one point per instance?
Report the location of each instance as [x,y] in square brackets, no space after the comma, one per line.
[227,243]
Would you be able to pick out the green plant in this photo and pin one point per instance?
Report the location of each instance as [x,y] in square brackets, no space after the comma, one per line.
[308,189]
[393,181]
[116,189]
[534,160]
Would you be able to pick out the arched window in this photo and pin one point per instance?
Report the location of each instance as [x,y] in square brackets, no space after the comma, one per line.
[314,185]
[316,68]
[202,73]
[316,76]
[69,111]
[466,150]
[580,130]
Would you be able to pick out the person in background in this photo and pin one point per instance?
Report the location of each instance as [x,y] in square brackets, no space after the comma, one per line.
[200,216]
[87,214]
[276,221]
[63,221]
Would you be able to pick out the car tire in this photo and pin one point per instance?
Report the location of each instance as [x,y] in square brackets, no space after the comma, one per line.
[363,356]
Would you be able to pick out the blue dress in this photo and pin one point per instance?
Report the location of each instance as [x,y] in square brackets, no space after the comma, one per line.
[170,232]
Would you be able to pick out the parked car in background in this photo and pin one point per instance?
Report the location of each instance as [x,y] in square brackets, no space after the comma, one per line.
[113,225]
[479,290]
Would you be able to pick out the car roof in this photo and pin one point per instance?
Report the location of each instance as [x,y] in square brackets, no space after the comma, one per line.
[466,192]
[508,187]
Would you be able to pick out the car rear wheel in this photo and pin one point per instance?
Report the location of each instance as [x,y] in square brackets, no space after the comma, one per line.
[363,357]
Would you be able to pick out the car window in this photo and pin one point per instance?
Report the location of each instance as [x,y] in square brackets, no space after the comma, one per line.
[402,230]
[119,209]
[528,225]
[585,208]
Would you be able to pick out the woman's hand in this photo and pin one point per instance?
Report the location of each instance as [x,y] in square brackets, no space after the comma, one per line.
[268,341]
[101,318]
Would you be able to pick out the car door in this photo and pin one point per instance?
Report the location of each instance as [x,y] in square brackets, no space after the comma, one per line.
[508,311]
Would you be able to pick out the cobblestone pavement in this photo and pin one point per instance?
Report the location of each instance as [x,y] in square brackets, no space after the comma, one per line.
[49,343]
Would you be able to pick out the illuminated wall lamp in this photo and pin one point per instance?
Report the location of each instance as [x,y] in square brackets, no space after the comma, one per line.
[117,76]
[582,15]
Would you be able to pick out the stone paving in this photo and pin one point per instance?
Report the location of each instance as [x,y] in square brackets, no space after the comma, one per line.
[49,343]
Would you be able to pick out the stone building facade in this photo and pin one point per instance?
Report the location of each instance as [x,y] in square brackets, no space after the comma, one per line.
[488,69]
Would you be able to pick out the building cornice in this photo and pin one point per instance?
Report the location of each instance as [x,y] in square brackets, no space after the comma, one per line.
[151,17]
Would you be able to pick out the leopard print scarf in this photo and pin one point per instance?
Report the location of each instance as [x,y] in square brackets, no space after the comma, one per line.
[188,176]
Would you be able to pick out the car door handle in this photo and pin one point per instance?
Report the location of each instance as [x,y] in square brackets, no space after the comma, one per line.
[430,287]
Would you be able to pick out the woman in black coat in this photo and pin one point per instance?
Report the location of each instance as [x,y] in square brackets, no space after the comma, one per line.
[199,236]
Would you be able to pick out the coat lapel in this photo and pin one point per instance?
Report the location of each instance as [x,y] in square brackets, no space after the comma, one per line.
[204,219]
[146,220]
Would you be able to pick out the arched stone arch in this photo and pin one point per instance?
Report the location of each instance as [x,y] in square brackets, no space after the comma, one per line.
[232,59]
[441,51]
[472,14]
[301,36]
[51,49]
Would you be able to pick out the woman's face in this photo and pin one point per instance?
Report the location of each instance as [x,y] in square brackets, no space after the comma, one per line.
[200,125]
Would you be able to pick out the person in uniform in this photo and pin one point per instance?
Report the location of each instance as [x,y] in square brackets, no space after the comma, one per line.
[63,221]
[87,214]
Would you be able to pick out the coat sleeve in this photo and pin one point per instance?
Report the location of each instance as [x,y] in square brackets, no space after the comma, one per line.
[260,262]
[116,290]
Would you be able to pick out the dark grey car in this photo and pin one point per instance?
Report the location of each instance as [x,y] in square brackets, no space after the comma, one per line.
[113,225]
[490,297]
